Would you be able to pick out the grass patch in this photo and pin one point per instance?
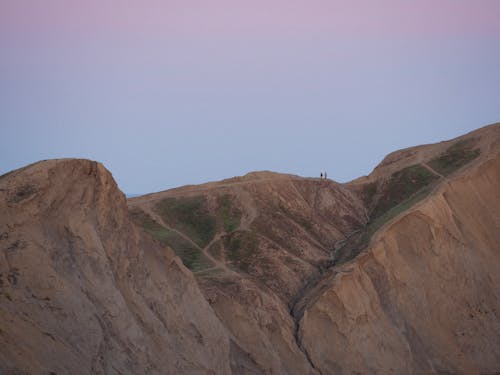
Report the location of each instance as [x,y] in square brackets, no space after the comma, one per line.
[455,157]
[190,216]
[401,186]
[404,189]
[190,255]
[22,193]
[369,191]
[230,215]
[355,245]
[213,272]
[378,222]
[240,248]
[217,250]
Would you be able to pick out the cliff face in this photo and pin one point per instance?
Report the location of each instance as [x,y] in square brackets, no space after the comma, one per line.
[81,291]
[376,276]
[396,272]
[425,296]
[257,241]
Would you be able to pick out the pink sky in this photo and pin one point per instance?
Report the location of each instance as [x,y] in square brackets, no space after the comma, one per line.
[186,83]
[62,19]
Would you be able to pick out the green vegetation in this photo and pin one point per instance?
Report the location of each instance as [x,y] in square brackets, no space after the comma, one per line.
[455,157]
[22,193]
[190,216]
[241,246]
[216,250]
[7,295]
[208,273]
[396,210]
[304,223]
[401,186]
[410,185]
[369,191]
[192,257]
[404,189]
[230,215]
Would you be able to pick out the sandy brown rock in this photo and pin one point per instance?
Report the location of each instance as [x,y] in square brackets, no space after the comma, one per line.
[393,273]
[424,297]
[259,324]
[81,291]
[485,139]
[295,222]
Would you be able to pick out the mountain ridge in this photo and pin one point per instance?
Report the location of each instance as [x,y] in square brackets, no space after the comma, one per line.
[274,273]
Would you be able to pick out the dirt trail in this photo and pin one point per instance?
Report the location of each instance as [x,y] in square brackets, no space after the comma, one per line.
[249,209]
[430,169]
[218,264]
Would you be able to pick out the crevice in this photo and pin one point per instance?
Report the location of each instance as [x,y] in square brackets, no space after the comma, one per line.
[298,341]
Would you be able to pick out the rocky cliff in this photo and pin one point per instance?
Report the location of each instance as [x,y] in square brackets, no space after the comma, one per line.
[396,272]
[83,292]
[424,297]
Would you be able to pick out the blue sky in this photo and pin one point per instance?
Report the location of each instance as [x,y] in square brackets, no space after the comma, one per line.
[177,93]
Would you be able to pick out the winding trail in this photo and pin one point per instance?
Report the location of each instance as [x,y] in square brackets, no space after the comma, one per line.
[218,264]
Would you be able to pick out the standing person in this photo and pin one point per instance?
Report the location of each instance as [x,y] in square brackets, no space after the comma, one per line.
[321,175]
[325,175]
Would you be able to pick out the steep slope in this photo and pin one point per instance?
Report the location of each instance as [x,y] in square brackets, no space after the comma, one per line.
[424,297]
[393,273]
[254,243]
[81,291]
[267,249]
[407,176]
[289,223]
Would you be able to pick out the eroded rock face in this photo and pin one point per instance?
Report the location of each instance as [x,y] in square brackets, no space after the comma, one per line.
[264,237]
[259,323]
[81,291]
[424,298]
[393,273]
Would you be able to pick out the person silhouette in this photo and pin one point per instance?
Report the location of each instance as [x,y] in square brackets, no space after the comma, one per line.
[321,175]
[325,175]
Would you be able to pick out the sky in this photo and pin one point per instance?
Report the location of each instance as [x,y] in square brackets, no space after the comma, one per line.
[168,93]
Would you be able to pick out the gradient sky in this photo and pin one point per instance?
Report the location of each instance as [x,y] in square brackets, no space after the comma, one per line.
[167,93]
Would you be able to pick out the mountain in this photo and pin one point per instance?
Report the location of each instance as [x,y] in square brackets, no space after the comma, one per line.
[395,272]
[83,292]
[423,297]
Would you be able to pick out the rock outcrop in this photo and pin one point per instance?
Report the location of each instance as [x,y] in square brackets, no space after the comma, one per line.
[271,236]
[83,292]
[424,298]
[393,273]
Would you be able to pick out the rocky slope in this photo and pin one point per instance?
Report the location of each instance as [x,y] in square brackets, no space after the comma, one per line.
[395,272]
[83,292]
[424,296]
[254,243]
[292,238]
